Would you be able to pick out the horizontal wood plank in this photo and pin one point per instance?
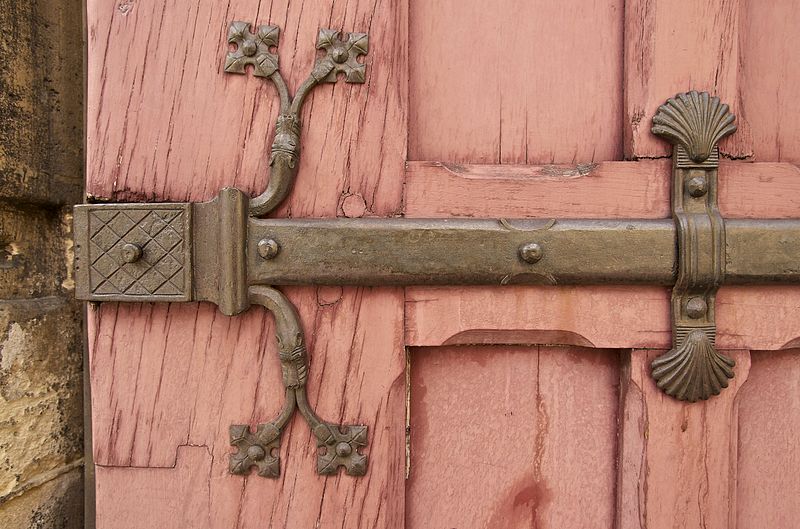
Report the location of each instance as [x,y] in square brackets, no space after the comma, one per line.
[762,317]
[604,190]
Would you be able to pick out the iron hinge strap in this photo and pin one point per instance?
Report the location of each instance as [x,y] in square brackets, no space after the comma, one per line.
[218,251]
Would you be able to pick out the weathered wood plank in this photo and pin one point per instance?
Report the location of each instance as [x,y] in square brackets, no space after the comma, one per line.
[178,498]
[164,122]
[604,190]
[601,316]
[768,465]
[516,82]
[677,461]
[512,437]
[673,46]
[769,79]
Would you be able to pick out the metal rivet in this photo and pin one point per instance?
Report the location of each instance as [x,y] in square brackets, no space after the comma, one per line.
[131,252]
[256,452]
[339,54]
[343,449]
[530,252]
[697,186]
[268,248]
[696,308]
[249,48]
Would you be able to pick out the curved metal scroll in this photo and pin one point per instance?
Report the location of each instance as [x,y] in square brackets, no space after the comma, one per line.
[338,444]
[253,49]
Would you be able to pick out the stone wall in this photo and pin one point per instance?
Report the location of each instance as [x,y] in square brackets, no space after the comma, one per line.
[41,175]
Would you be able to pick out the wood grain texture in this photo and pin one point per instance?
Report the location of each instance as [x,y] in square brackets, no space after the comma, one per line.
[178,498]
[164,122]
[768,465]
[677,461]
[758,318]
[597,316]
[160,383]
[769,75]
[516,81]
[512,437]
[674,46]
[604,190]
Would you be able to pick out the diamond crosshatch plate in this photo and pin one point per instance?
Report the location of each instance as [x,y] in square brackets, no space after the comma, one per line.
[160,233]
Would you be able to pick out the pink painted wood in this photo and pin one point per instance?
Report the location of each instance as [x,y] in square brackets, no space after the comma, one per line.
[507,454]
[677,461]
[674,46]
[740,51]
[578,435]
[767,491]
[534,81]
[164,122]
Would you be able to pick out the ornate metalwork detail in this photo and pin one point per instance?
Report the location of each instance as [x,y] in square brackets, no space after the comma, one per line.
[341,57]
[340,446]
[143,252]
[255,450]
[286,145]
[132,251]
[694,122]
[294,362]
[252,49]
[693,370]
[340,443]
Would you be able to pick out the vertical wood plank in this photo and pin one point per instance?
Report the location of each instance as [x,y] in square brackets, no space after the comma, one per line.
[677,461]
[516,81]
[512,437]
[673,46]
[164,122]
[770,78]
[768,469]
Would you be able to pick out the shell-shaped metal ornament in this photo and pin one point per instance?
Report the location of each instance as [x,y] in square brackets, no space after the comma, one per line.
[695,120]
[693,370]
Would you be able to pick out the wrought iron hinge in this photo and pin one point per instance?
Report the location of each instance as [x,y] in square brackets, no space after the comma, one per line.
[220,251]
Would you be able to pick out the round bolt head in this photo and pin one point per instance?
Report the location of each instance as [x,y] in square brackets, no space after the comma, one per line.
[531,252]
[131,252]
[256,452]
[339,54]
[697,186]
[696,308]
[268,248]
[343,449]
[249,48]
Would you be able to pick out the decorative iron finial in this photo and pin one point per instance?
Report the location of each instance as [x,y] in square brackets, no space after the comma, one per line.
[695,120]
[252,48]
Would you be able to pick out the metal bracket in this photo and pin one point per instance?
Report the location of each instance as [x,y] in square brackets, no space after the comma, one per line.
[219,251]
[694,123]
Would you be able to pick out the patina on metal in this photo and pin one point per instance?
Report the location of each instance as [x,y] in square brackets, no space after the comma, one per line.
[220,251]
[695,122]
[338,445]
[341,56]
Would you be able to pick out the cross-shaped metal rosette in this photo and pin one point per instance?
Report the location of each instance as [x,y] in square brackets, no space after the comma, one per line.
[255,450]
[341,56]
[252,48]
[341,444]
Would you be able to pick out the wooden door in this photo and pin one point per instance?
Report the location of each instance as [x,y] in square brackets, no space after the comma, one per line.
[488,407]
